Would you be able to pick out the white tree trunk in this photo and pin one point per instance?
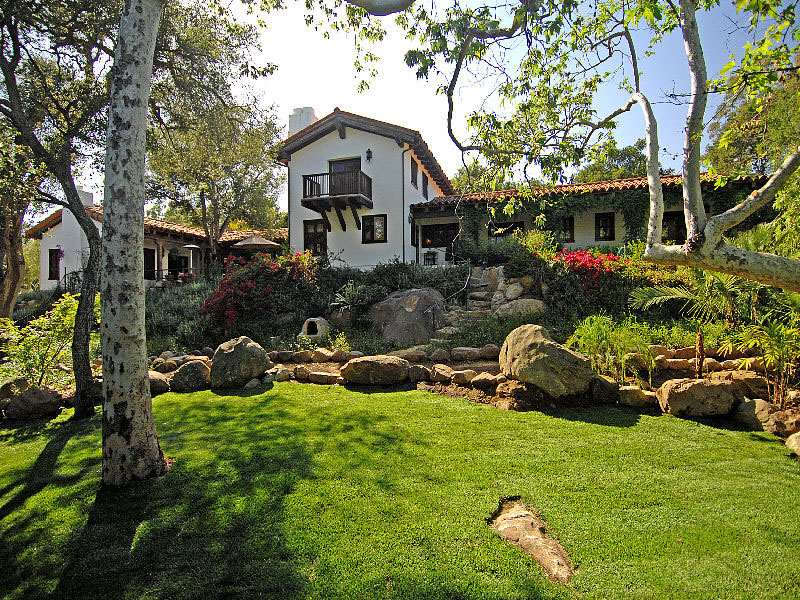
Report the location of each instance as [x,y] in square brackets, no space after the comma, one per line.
[131,449]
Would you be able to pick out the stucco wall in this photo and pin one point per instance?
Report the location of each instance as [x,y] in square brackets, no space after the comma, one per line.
[69,237]
[388,175]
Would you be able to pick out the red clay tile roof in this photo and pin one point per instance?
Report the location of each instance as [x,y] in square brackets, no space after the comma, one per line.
[339,118]
[593,187]
[159,226]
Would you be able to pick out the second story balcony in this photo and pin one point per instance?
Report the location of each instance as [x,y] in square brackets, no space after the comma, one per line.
[323,190]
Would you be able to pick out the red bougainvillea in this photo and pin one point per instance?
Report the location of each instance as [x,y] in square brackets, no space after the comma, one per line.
[252,293]
[591,268]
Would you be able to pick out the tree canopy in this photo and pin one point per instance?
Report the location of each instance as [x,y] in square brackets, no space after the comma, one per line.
[553,58]
[218,168]
[609,162]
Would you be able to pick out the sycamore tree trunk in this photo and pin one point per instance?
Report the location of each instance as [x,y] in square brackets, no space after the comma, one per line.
[131,449]
[14,271]
[84,315]
[705,247]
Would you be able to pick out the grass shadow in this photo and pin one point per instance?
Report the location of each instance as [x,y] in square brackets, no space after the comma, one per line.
[212,527]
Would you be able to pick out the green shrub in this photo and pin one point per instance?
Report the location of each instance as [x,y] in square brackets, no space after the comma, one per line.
[44,302]
[41,350]
[779,346]
[610,345]
[173,318]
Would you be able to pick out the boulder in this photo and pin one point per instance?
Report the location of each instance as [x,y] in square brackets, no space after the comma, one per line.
[523,306]
[754,414]
[376,370]
[159,384]
[463,377]
[301,372]
[490,352]
[662,350]
[511,389]
[208,351]
[698,397]
[3,403]
[191,377]
[253,383]
[321,355]
[678,364]
[604,390]
[529,354]
[793,443]
[441,373]
[686,352]
[463,354]
[418,373]
[166,355]
[236,362]
[14,386]
[323,377]
[784,423]
[409,317]
[636,397]
[34,403]
[439,356]
[285,356]
[353,354]
[752,384]
[514,291]
[339,356]
[281,374]
[267,378]
[486,382]
[302,356]
[413,355]
[168,366]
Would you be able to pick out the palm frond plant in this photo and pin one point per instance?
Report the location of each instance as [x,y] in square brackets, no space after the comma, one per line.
[707,297]
[779,345]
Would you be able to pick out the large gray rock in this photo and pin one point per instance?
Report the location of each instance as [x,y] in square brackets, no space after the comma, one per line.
[529,354]
[698,397]
[754,414]
[410,316]
[192,376]
[236,362]
[784,423]
[14,386]
[159,384]
[376,370]
[793,443]
[752,384]
[33,403]
[522,306]
[636,397]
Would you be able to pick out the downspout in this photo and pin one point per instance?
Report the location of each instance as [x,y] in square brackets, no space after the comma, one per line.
[404,217]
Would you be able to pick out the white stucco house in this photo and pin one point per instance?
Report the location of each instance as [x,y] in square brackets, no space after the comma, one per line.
[352,181]
[171,250]
[367,192]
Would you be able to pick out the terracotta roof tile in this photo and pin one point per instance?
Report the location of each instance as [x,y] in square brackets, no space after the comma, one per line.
[96,212]
[593,187]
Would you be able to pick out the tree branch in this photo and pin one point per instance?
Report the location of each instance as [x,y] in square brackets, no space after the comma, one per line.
[722,222]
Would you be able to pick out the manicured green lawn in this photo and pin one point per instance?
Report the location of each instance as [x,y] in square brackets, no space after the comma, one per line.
[318,492]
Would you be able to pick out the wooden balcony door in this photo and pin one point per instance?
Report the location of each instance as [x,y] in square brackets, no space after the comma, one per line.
[344,176]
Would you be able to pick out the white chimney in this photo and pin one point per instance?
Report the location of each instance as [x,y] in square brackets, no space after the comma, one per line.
[300,119]
[87,199]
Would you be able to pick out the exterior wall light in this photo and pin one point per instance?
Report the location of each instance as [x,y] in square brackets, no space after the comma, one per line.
[369,154]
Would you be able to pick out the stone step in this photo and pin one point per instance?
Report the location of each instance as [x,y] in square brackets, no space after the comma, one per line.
[478,314]
[480,295]
[479,305]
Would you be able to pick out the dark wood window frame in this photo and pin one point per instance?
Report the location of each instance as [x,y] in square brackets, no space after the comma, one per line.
[150,272]
[425,186]
[414,172]
[673,226]
[368,229]
[310,237]
[605,221]
[567,232]
[54,264]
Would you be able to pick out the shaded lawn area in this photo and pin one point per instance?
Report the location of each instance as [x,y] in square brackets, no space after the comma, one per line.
[307,491]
